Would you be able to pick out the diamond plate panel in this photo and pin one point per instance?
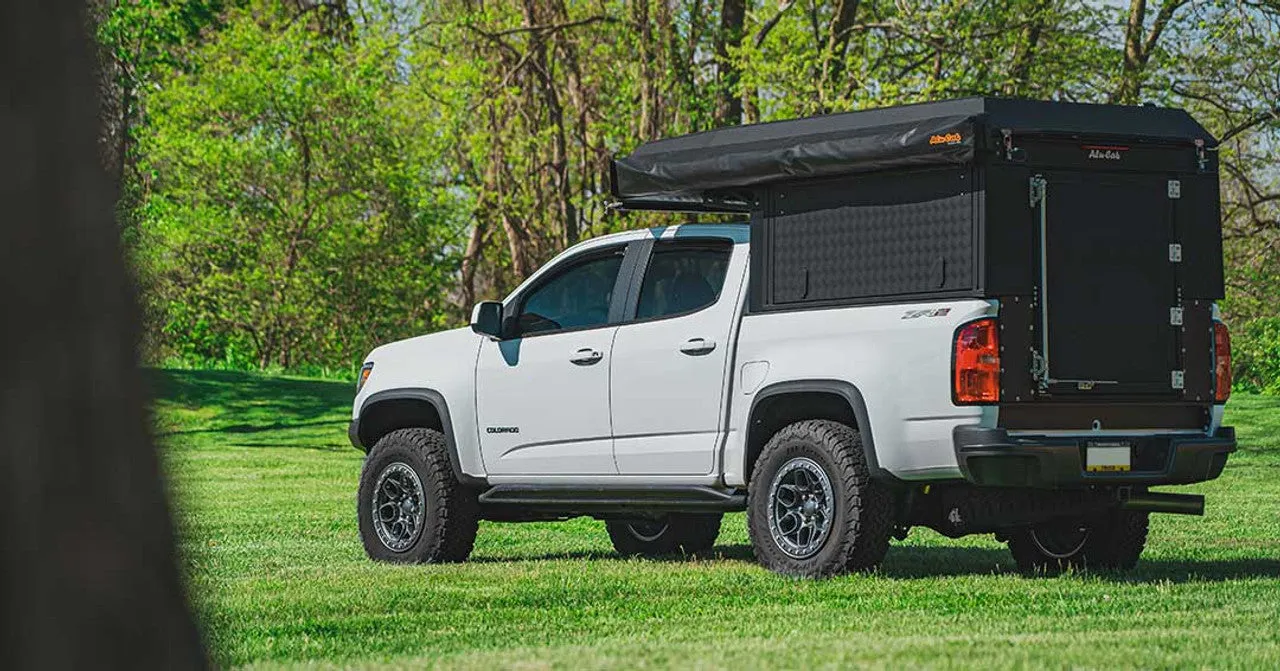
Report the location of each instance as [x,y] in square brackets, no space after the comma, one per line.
[873,250]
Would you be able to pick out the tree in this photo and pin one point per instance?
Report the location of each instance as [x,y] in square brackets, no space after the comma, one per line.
[289,217]
[137,42]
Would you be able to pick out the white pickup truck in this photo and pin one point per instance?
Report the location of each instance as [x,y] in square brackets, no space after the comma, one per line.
[657,379]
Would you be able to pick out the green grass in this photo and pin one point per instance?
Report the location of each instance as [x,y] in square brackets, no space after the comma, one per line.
[264,481]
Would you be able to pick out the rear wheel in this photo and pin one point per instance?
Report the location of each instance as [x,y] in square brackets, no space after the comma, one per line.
[813,509]
[1109,541]
[670,535]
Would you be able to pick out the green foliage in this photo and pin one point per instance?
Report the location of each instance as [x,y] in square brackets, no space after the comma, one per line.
[309,179]
[264,478]
[288,218]
[1255,351]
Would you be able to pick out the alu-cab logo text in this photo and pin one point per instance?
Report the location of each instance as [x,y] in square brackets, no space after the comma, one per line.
[1106,153]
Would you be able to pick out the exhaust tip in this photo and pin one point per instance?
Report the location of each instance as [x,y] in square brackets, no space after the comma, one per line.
[1156,502]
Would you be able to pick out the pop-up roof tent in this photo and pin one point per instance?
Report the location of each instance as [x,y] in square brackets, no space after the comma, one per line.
[718,170]
[1107,213]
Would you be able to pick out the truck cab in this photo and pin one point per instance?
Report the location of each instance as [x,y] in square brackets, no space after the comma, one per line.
[986,333]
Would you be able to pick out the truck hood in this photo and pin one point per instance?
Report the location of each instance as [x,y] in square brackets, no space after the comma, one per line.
[443,361]
[423,344]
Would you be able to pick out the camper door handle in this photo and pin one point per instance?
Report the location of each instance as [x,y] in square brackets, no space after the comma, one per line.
[698,346]
[586,356]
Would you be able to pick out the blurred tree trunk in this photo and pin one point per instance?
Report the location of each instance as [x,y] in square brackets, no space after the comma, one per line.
[88,573]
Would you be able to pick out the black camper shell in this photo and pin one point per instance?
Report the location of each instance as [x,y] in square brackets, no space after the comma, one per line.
[1096,227]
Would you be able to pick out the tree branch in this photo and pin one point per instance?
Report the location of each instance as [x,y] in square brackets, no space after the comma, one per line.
[1261,117]
[769,25]
[553,27]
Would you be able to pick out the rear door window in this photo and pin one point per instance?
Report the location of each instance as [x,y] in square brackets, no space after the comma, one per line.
[682,277]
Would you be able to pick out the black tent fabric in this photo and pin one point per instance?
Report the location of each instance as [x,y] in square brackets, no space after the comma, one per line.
[716,169]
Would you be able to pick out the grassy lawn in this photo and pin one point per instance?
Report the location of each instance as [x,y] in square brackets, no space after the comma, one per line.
[265,485]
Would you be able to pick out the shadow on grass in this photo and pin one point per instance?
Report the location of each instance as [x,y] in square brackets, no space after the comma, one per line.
[910,563]
[245,403]
[258,428]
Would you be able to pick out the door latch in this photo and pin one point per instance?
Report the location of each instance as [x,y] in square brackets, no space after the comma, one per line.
[1037,190]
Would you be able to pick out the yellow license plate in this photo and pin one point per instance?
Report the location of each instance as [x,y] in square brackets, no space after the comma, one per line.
[1108,458]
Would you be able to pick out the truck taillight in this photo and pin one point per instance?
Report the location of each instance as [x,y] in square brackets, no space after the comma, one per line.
[1221,362]
[975,363]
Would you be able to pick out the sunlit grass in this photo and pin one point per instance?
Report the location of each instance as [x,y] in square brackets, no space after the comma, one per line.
[265,480]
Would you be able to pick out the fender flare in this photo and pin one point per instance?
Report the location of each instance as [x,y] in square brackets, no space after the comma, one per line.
[851,394]
[436,399]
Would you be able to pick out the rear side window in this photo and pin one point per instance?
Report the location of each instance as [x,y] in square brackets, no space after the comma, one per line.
[682,277]
[575,298]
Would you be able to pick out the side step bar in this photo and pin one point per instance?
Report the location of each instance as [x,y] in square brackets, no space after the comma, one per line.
[581,499]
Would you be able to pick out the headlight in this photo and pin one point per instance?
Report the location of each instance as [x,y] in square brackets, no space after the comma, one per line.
[364,375]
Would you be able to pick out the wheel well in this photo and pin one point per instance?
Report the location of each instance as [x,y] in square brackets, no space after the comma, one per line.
[383,417]
[773,412]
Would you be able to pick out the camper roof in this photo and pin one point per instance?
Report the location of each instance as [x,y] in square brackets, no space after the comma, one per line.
[716,170]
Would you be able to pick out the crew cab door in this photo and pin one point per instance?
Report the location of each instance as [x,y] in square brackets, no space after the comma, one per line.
[670,357]
[542,392]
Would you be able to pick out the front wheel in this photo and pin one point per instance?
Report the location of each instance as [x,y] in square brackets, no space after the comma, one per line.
[813,509]
[669,535]
[1110,541]
[412,508]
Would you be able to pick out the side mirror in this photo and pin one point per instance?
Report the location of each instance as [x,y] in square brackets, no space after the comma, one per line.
[486,319]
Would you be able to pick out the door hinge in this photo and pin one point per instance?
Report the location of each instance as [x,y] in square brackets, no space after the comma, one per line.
[1175,253]
[1178,379]
[1175,189]
[1175,316]
[1037,190]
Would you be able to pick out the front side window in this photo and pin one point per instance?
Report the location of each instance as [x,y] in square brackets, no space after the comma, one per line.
[575,298]
[682,277]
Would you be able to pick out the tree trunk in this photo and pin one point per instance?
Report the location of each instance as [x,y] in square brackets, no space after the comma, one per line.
[470,259]
[838,48]
[88,572]
[728,98]
[649,113]
[1139,44]
[1025,52]
[555,114]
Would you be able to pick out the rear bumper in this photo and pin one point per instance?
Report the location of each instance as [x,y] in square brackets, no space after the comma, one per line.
[991,457]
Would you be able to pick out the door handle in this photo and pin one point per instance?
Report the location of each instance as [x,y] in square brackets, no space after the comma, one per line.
[586,356]
[698,346]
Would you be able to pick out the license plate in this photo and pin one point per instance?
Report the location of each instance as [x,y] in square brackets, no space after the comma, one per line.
[1107,457]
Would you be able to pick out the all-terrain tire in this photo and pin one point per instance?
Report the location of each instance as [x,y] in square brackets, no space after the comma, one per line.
[449,512]
[1119,542]
[1109,541]
[673,534]
[862,514]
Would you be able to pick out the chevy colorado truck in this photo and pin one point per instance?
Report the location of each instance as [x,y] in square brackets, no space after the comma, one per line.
[977,316]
